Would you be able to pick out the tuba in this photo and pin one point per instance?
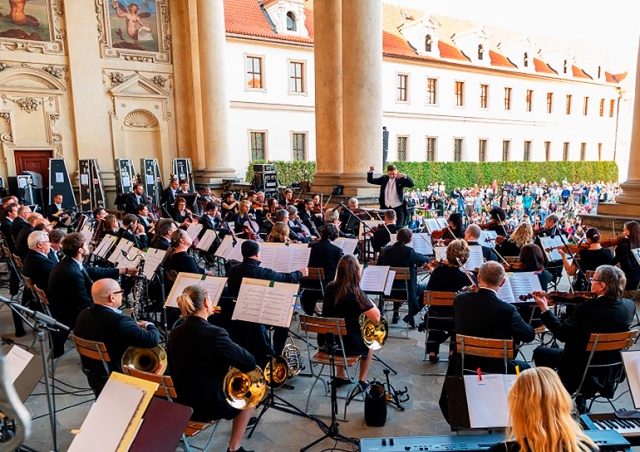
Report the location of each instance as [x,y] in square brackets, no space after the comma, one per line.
[373,334]
[151,360]
[244,390]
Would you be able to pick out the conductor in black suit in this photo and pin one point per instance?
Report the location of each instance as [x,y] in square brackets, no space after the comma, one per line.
[70,284]
[391,191]
[608,313]
[103,322]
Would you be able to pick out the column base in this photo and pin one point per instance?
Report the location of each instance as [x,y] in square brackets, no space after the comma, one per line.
[610,219]
[355,184]
[214,176]
[618,209]
[324,182]
[630,195]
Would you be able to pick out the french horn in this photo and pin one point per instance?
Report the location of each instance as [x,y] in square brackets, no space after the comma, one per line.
[276,371]
[294,359]
[151,360]
[374,335]
[244,390]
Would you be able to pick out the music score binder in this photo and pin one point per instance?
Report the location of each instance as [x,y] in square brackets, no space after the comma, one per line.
[552,242]
[631,360]
[227,250]
[207,240]
[105,245]
[421,243]
[213,284]
[265,302]
[24,368]
[377,279]
[516,284]
[283,257]
[348,246]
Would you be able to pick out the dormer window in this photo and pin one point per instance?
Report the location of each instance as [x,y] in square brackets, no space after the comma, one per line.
[599,71]
[564,67]
[291,21]
[427,43]
[526,59]
[480,52]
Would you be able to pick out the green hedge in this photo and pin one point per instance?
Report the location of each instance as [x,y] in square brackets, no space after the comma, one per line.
[466,174]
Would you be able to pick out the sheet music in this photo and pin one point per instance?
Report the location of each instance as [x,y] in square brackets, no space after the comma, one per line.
[284,258]
[153,257]
[87,233]
[227,251]
[389,283]
[432,224]
[16,361]
[440,252]
[370,224]
[105,245]
[548,242]
[488,238]
[442,222]
[207,240]
[126,246]
[422,243]
[393,238]
[505,293]
[523,283]
[108,418]
[374,278]
[476,259]
[631,361]
[194,230]
[348,245]
[487,399]
[266,302]
[213,284]
[636,254]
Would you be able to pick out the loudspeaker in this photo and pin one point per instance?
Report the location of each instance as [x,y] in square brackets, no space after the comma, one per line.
[267,180]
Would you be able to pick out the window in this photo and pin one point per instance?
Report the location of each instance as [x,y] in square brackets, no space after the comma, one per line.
[599,151]
[565,151]
[296,77]
[253,69]
[432,85]
[599,71]
[568,105]
[585,106]
[529,99]
[549,102]
[507,98]
[403,144]
[291,21]
[484,94]
[431,149]
[299,146]
[526,59]
[527,151]
[258,149]
[506,150]
[402,88]
[459,94]
[601,108]
[427,43]
[564,67]
[583,152]
[547,151]
[480,52]
[482,150]
[457,149]
[612,106]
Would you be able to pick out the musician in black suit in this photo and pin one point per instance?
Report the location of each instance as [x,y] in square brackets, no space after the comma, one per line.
[37,265]
[391,191]
[401,255]
[135,198]
[164,228]
[70,284]
[199,357]
[608,313]
[56,211]
[169,193]
[133,231]
[382,235]
[11,213]
[34,219]
[20,221]
[472,235]
[103,322]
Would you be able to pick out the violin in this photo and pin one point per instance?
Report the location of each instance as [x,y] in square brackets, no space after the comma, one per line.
[472,288]
[558,297]
[438,234]
[492,223]
[512,267]
[608,243]
[572,247]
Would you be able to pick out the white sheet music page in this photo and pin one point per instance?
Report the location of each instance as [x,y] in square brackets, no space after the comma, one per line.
[631,359]
[17,360]
[374,278]
[487,399]
[194,230]
[214,286]
[389,284]
[228,251]
[505,293]
[182,280]
[431,224]
[207,240]
[300,254]
[548,242]
[523,283]
[105,245]
[440,252]
[123,245]
[422,244]
[269,253]
[152,258]
[488,238]
[266,302]
[348,245]
[476,258]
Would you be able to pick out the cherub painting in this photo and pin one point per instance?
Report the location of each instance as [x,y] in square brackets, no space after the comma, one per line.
[24,19]
[138,20]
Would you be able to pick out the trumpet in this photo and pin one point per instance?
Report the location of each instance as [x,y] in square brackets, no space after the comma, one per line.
[244,390]
[373,334]
[151,360]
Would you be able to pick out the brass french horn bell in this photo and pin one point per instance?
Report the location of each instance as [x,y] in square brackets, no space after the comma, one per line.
[374,335]
[151,360]
[244,390]
[276,371]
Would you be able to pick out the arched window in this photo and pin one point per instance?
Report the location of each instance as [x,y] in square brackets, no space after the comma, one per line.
[427,43]
[291,21]
[480,51]
[526,59]
[564,70]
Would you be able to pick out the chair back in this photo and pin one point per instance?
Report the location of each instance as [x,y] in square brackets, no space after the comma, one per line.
[18,262]
[600,342]
[316,274]
[165,389]
[42,296]
[323,325]
[92,350]
[438,298]
[485,348]
[29,284]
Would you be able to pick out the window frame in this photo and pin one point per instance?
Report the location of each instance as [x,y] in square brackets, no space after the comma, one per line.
[435,148]
[265,140]
[303,77]
[435,91]
[526,150]
[483,146]
[458,96]
[602,107]
[547,151]
[263,80]
[305,135]
[568,104]
[404,138]
[565,150]
[484,96]
[612,107]
[585,106]
[529,101]
[549,103]
[506,150]
[508,91]
[583,152]
[399,89]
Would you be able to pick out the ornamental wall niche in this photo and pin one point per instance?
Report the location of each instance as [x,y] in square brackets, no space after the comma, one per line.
[134,31]
[32,26]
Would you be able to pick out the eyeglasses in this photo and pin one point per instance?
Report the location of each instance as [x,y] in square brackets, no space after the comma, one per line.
[595,280]
[118,292]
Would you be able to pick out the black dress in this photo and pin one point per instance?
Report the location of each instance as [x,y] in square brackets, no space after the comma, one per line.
[589,260]
[628,264]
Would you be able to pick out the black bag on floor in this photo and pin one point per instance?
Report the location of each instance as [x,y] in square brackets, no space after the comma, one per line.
[375,405]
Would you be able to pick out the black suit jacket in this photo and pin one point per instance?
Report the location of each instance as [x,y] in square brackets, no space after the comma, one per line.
[16,226]
[399,255]
[52,209]
[70,291]
[37,266]
[381,237]
[141,242]
[601,315]
[325,255]
[131,203]
[161,243]
[401,184]
[168,197]
[117,331]
[22,241]
[5,227]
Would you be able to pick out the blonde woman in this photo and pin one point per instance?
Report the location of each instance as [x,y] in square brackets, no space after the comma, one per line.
[541,421]
[520,237]
[200,354]
[279,233]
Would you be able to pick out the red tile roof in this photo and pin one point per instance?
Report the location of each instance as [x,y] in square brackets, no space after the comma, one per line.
[609,77]
[498,59]
[579,73]
[542,67]
[621,77]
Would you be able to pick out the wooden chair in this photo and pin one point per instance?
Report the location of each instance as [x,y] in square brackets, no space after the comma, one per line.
[18,262]
[436,299]
[324,325]
[96,351]
[44,301]
[403,274]
[601,342]
[485,348]
[167,390]
[314,282]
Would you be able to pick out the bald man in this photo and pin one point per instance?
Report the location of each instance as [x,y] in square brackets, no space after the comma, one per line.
[103,322]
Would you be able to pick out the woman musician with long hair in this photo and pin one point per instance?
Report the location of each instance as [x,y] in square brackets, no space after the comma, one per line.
[522,235]
[628,263]
[199,355]
[454,229]
[497,221]
[588,259]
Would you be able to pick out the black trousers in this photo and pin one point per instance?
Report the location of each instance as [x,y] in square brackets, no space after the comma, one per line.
[547,357]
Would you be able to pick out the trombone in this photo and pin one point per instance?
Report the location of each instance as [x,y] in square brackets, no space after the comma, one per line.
[374,335]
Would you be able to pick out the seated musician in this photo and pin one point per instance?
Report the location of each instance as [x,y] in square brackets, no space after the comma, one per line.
[244,222]
[55,237]
[343,298]
[135,198]
[625,258]
[56,211]
[103,322]
[309,217]
[180,213]
[37,265]
[288,198]
[455,229]
[608,313]
[532,260]
[169,193]
[110,226]
[184,187]
[541,416]
[349,224]
[332,216]
[497,221]
[99,213]
[133,231]
[551,227]
[401,255]
[472,235]
[145,219]
[447,277]
[229,206]
[199,355]
[588,259]
[299,232]
[207,196]
[162,239]
[178,259]
[382,235]
[280,233]
[522,235]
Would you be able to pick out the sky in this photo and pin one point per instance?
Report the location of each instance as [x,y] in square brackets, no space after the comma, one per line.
[614,29]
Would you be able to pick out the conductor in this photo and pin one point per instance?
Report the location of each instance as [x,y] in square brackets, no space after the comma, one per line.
[391,191]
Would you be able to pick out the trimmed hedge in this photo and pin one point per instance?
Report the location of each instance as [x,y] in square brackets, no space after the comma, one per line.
[466,174]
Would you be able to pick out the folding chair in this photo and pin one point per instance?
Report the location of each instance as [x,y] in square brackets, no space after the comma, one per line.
[399,293]
[44,301]
[485,348]
[96,351]
[324,325]
[435,321]
[601,342]
[167,390]
[314,283]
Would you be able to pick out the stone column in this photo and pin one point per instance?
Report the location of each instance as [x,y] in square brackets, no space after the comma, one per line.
[628,203]
[328,80]
[362,93]
[214,92]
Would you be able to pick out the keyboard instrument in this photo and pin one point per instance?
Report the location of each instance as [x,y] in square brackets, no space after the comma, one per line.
[629,428]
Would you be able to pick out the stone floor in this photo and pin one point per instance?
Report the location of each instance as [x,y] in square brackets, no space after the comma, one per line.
[277,431]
